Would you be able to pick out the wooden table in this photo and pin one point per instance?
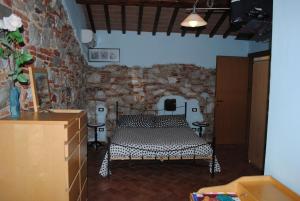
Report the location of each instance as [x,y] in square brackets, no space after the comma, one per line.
[255,188]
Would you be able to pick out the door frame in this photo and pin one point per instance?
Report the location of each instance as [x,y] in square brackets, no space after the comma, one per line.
[251,62]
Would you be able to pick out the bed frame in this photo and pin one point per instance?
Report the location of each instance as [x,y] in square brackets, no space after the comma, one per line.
[145,111]
[213,145]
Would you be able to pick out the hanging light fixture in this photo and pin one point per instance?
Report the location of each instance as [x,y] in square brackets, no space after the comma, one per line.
[193,19]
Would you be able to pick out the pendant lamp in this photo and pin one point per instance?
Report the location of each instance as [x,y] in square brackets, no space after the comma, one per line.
[193,19]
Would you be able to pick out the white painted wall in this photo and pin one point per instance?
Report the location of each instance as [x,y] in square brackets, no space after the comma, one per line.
[283,139]
[146,50]
[259,46]
[77,19]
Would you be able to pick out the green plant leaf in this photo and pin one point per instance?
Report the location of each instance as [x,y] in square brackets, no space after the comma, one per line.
[15,73]
[22,78]
[22,58]
[6,43]
[15,36]
[18,63]
[1,52]
[26,57]
[14,76]
[18,71]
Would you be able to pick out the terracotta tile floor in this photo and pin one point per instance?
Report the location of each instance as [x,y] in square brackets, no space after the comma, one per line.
[167,181]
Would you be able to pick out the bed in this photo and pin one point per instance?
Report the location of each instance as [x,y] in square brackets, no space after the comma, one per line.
[156,137]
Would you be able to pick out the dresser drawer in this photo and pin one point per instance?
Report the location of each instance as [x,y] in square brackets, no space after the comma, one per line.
[83,132]
[73,165]
[74,192]
[84,192]
[72,129]
[83,174]
[83,120]
[83,150]
[71,145]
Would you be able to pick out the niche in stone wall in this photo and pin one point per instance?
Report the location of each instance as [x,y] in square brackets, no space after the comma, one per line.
[142,88]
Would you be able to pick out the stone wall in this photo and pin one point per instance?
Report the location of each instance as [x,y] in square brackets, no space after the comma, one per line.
[142,87]
[50,38]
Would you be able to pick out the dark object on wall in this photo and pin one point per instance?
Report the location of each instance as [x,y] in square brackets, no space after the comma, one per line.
[254,18]
[170,104]
[243,11]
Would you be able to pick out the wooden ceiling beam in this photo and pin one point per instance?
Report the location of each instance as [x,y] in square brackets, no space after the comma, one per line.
[140,20]
[91,19]
[173,18]
[245,36]
[229,30]
[219,24]
[107,18]
[155,3]
[157,15]
[206,18]
[123,13]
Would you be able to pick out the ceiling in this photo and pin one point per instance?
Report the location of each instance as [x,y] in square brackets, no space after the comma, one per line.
[159,16]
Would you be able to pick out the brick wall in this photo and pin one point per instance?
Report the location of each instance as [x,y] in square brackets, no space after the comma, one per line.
[142,87]
[50,38]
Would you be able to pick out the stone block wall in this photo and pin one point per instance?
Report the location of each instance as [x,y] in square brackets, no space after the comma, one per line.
[50,38]
[142,87]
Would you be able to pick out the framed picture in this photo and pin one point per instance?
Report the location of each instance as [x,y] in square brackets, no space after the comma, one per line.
[104,55]
[40,89]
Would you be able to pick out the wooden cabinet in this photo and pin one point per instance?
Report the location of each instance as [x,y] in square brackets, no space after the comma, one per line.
[43,157]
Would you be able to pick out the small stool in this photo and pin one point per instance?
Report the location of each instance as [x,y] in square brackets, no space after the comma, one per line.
[96,126]
[201,125]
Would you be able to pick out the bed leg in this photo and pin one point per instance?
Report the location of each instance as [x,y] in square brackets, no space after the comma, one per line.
[117,113]
[213,157]
[108,157]
[185,109]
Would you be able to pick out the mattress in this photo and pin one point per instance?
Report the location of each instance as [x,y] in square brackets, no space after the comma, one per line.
[157,143]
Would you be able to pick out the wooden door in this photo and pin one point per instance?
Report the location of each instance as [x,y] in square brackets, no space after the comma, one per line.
[231,100]
[258,111]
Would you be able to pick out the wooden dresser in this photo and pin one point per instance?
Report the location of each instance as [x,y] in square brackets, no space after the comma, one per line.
[43,157]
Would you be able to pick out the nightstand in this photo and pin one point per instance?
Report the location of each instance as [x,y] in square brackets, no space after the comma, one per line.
[96,126]
[200,126]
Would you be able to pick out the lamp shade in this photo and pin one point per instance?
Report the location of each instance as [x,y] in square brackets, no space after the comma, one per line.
[193,20]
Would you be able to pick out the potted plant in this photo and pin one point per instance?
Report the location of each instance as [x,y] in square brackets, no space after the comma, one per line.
[11,43]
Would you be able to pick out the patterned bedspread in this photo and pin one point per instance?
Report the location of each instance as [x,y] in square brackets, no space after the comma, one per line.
[157,143]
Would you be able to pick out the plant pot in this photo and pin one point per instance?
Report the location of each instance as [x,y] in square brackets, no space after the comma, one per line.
[14,96]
